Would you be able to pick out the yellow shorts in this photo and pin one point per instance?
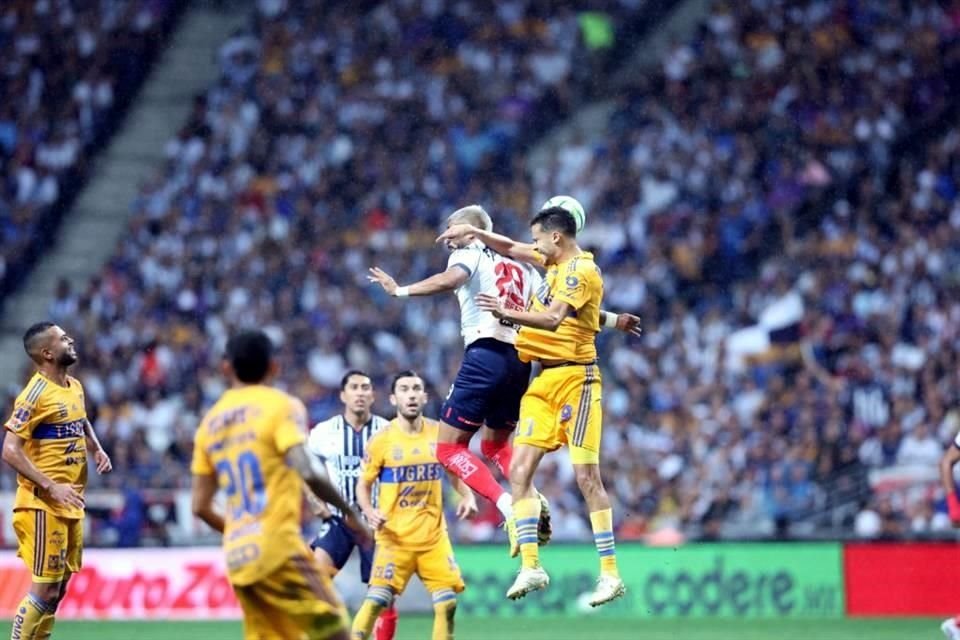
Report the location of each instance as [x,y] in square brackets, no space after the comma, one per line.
[295,602]
[437,568]
[50,546]
[562,406]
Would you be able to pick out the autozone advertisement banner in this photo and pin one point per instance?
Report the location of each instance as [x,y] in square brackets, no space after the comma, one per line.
[794,580]
[902,580]
[729,581]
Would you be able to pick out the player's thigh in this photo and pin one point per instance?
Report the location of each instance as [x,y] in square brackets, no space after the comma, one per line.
[334,544]
[438,568]
[42,543]
[392,567]
[74,557]
[505,413]
[538,424]
[582,415]
[473,390]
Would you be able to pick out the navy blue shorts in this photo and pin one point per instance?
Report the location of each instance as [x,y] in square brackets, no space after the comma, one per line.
[488,387]
[338,541]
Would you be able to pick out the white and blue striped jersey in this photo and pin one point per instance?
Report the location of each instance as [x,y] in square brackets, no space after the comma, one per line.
[489,272]
[341,448]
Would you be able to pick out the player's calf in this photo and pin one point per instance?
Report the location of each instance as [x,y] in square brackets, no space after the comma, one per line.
[444,610]
[463,463]
[378,598]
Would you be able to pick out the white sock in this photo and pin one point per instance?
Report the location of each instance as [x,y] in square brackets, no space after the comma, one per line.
[505,505]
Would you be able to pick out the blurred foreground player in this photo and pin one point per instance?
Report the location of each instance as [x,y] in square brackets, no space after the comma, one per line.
[563,404]
[951,627]
[251,444]
[47,440]
[341,442]
[411,529]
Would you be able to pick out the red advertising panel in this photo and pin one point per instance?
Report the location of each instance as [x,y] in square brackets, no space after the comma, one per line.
[902,580]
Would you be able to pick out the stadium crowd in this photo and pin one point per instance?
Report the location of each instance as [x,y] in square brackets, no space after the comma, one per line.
[68,69]
[763,168]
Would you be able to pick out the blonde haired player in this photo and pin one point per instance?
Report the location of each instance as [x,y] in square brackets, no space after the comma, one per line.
[251,444]
[411,530]
[562,404]
[47,441]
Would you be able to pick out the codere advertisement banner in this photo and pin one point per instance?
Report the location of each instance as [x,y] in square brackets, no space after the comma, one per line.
[729,581]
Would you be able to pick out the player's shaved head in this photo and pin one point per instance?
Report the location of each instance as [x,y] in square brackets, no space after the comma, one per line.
[472,214]
[36,338]
[250,354]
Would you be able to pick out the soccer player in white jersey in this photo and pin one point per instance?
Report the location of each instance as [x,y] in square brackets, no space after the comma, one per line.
[492,379]
[341,442]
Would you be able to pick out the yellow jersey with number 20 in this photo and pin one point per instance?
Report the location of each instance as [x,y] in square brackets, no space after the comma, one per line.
[243,440]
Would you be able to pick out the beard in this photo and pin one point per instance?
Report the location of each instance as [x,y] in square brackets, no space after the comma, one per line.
[410,414]
[66,359]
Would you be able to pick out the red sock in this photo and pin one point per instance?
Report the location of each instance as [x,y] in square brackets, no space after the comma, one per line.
[461,462]
[386,626]
[499,453]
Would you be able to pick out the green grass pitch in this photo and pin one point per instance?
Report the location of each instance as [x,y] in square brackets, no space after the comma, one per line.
[567,628]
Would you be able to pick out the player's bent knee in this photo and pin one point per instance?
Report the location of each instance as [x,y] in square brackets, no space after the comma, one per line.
[49,592]
[450,434]
[380,597]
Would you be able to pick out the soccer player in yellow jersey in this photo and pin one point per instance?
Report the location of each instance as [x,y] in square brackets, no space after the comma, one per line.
[411,530]
[47,440]
[562,404]
[251,445]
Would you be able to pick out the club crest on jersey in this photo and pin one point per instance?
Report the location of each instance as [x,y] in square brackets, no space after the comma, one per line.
[566,413]
[62,410]
[398,453]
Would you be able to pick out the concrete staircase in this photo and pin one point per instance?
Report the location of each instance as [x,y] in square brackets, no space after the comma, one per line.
[90,232]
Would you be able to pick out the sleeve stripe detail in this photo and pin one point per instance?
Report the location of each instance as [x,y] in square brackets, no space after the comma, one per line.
[464,267]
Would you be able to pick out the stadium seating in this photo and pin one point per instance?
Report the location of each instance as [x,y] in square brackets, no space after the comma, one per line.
[759,181]
[69,71]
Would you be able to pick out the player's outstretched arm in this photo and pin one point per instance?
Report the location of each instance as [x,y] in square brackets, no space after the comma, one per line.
[950,458]
[201,502]
[521,251]
[626,322]
[100,457]
[16,457]
[437,283]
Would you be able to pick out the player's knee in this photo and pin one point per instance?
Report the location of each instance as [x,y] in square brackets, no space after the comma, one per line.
[379,598]
[49,592]
[492,448]
[445,603]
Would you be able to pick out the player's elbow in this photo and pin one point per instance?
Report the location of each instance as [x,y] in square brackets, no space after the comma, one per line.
[9,454]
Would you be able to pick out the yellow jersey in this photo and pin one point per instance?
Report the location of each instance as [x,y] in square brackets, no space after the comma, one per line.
[577,282]
[51,419]
[243,440]
[410,494]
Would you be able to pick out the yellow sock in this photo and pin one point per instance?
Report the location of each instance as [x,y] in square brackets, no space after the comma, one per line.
[527,513]
[444,608]
[27,619]
[45,626]
[602,523]
[378,599]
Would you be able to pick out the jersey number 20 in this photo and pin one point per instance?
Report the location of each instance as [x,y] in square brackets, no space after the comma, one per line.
[243,484]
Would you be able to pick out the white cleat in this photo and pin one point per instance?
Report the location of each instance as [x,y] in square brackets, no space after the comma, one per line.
[528,580]
[608,588]
[950,629]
